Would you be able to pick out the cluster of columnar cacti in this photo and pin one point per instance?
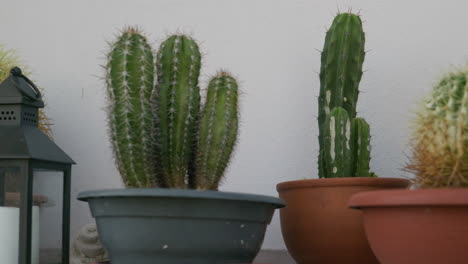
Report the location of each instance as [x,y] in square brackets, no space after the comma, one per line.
[344,139]
[440,146]
[159,135]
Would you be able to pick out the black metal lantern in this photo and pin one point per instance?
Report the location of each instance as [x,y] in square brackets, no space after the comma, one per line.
[25,152]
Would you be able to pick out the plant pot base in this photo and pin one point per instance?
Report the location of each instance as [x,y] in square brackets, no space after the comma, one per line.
[421,226]
[317,225]
[180,226]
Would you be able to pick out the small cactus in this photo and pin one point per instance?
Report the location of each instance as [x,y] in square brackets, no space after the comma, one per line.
[130,82]
[217,131]
[360,144]
[440,142]
[159,137]
[344,139]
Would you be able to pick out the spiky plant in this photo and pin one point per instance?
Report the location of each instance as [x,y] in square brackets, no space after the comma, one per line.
[217,132]
[176,107]
[8,60]
[130,82]
[440,142]
[344,139]
[159,136]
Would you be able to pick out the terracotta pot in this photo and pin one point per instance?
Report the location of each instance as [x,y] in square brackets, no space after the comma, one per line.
[318,226]
[427,226]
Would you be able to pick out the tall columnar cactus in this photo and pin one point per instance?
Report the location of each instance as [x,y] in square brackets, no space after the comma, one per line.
[341,70]
[440,153]
[130,81]
[217,132]
[177,105]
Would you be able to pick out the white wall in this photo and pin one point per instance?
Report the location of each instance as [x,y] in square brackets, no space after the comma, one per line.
[271,45]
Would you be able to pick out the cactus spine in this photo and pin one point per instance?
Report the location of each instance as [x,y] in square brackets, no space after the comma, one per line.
[217,131]
[343,139]
[440,142]
[129,78]
[177,104]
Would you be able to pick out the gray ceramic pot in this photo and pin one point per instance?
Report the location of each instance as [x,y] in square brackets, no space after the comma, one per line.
[172,226]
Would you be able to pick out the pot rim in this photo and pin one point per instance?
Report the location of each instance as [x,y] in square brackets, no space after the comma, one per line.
[345,181]
[179,193]
[410,198]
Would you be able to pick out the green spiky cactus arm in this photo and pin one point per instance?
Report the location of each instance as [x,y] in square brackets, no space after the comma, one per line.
[217,131]
[360,145]
[129,78]
[177,103]
[341,71]
[440,143]
[337,140]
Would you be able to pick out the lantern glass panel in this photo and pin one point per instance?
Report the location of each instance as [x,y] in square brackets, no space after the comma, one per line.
[48,194]
[13,177]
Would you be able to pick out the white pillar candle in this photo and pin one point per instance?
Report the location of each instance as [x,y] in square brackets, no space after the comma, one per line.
[9,235]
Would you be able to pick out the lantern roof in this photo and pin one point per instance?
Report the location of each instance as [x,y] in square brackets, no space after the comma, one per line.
[18,89]
[28,142]
[20,136]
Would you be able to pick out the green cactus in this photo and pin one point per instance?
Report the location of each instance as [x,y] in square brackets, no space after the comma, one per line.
[440,142]
[217,131]
[159,137]
[337,144]
[360,144]
[340,73]
[129,79]
[177,106]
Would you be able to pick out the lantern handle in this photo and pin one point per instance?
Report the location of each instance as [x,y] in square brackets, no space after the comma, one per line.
[16,71]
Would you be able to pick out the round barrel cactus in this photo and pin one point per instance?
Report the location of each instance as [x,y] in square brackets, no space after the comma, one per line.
[440,142]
